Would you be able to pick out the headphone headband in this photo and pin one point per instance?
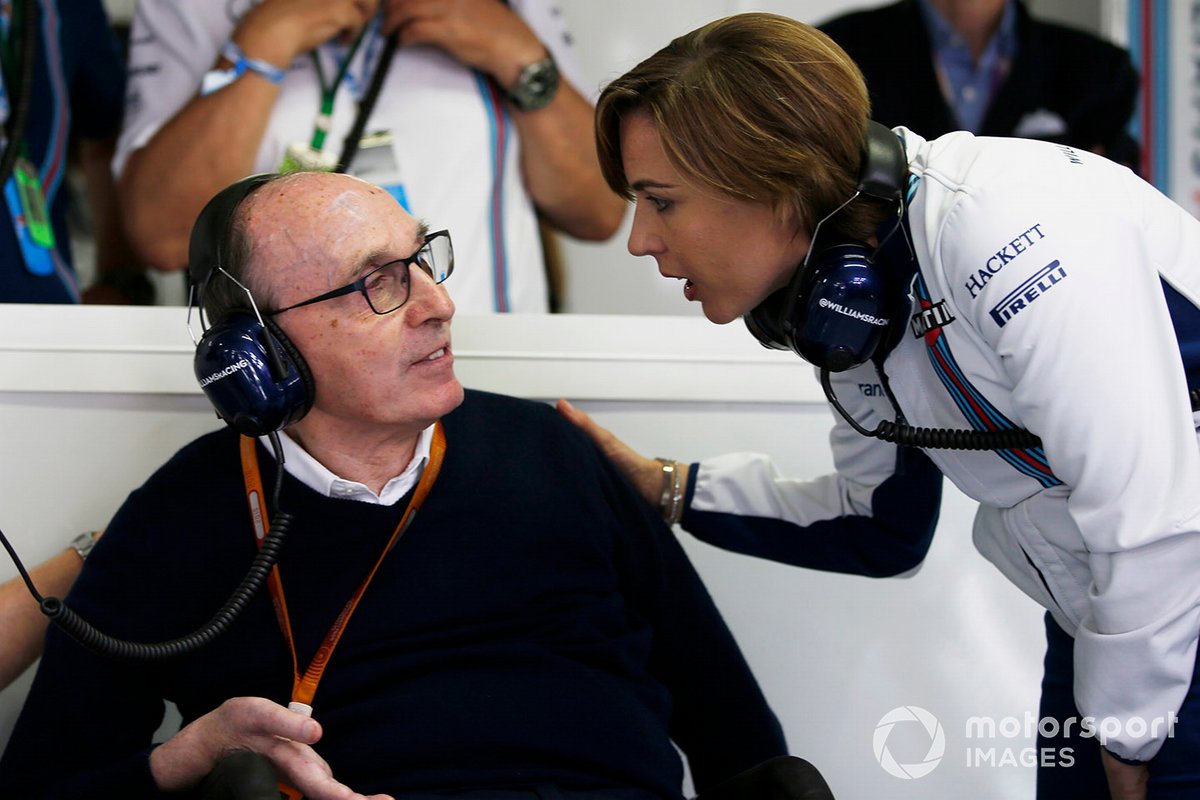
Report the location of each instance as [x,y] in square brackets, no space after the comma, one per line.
[211,233]
[884,163]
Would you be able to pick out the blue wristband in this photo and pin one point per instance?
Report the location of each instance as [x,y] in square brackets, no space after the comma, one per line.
[220,78]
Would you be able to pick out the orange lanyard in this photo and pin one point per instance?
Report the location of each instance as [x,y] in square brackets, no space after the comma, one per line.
[305,686]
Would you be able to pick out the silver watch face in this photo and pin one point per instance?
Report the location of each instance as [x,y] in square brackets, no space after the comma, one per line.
[83,544]
[536,86]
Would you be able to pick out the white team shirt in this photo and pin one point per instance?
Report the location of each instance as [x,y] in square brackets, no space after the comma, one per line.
[456,150]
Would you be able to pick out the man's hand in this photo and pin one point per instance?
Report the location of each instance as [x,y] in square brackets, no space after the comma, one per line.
[258,725]
[1125,781]
[484,34]
[559,166]
[277,31]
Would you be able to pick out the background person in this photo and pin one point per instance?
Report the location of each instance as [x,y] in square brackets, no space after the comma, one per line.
[989,67]
[473,126]
[993,313]
[61,86]
[22,624]
[534,631]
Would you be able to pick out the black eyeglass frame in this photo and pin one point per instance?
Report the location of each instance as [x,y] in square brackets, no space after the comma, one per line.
[360,285]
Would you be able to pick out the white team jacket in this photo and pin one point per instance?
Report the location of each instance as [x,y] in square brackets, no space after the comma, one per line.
[1054,268]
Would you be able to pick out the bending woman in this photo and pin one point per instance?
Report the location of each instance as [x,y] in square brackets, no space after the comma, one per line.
[1030,314]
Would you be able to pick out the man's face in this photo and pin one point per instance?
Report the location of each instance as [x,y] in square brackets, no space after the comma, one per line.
[393,372]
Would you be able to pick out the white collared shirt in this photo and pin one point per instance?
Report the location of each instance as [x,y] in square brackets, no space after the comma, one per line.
[313,474]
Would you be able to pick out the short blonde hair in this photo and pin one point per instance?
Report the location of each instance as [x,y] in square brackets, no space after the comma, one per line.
[758,106]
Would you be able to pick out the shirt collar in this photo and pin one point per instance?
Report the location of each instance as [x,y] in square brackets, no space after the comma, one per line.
[944,38]
[313,474]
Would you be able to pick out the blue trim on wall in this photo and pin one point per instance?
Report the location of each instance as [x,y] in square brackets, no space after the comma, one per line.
[1155,66]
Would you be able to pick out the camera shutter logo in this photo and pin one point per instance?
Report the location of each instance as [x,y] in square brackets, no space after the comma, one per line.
[937,742]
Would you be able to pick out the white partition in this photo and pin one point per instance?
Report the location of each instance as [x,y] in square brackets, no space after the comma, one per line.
[92,399]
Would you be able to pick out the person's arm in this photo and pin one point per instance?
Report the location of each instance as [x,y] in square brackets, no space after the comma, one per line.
[120,277]
[103,701]
[720,718]
[1125,781]
[1092,80]
[875,516]
[22,624]
[239,724]
[212,140]
[257,725]
[96,76]
[558,153]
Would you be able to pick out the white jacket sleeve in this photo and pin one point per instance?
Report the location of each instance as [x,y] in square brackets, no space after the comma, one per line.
[874,516]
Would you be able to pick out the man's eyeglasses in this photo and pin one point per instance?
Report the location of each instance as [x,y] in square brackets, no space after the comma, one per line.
[387,287]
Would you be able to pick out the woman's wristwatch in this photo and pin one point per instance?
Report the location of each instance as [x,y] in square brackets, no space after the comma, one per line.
[670,505]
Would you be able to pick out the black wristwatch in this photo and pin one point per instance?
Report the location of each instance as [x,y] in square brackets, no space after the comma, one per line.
[536,85]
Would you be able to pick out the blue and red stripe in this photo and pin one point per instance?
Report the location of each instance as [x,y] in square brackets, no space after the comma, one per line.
[975,407]
[1150,46]
[54,163]
[498,121]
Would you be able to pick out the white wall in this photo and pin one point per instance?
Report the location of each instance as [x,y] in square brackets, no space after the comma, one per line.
[92,399]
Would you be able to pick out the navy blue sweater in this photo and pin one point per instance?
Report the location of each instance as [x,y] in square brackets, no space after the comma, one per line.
[537,624]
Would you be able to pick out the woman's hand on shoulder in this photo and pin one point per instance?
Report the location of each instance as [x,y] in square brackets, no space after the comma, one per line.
[644,473]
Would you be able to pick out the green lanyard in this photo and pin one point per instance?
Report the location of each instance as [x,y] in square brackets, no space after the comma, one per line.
[30,196]
[329,92]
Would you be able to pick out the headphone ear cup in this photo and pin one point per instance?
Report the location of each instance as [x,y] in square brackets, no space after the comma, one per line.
[764,321]
[293,358]
[843,310]
[238,366]
[838,306]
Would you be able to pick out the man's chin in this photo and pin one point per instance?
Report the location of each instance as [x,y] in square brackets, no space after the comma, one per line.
[450,396]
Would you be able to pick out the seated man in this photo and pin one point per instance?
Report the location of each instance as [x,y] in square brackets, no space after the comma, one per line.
[536,629]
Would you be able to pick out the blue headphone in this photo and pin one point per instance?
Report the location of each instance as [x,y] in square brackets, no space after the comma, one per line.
[253,375]
[840,302]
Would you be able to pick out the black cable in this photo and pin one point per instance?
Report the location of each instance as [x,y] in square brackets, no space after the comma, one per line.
[902,433]
[367,105]
[21,569]
[21,85]
[86,634]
